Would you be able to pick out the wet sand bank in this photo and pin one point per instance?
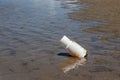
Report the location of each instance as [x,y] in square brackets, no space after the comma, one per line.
[106,10]
[108,36]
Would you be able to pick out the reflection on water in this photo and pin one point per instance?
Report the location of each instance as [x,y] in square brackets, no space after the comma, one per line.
[72,62]
[52,8]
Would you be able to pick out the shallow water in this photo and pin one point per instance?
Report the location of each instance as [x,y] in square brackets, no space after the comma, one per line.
[30,31]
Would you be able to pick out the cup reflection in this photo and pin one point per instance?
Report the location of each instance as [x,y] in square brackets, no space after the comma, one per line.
[72,63]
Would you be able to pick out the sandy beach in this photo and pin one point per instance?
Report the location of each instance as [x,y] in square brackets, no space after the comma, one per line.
[30,31]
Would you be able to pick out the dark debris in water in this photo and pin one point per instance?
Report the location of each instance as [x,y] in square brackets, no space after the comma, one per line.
[25,64]
[11,70]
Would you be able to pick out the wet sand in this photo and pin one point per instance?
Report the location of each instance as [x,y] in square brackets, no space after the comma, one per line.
[108,12]
[105,10]
[30,31]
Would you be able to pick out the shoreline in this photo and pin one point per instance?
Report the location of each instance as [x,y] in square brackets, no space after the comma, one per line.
[106,10]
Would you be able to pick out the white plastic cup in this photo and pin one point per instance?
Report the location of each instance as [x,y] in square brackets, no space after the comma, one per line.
[73,48]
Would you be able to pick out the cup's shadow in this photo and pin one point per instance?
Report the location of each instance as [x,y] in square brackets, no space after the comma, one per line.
[64,54]
[71,62]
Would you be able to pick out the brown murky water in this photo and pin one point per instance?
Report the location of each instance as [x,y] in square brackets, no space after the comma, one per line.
[30,31]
